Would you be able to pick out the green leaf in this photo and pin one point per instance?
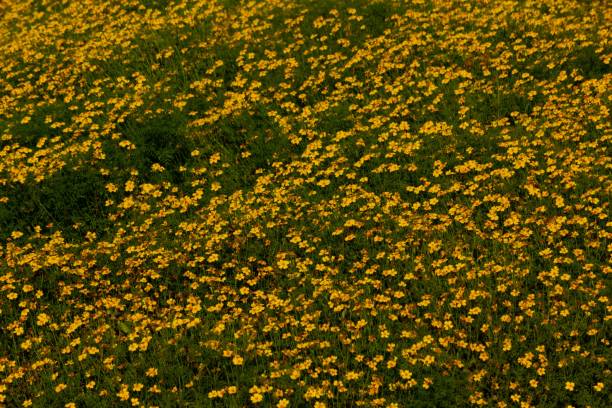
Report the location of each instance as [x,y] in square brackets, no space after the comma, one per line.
[124,328]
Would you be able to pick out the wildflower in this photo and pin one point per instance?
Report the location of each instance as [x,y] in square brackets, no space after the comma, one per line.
[405,374]
[124,393]
[256,398]
[42,319]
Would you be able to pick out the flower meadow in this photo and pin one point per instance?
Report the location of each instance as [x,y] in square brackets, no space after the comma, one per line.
[281,203]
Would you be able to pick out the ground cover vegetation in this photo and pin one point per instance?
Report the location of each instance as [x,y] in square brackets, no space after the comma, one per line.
[217,203]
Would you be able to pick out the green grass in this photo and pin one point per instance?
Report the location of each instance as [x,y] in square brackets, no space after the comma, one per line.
[343,137]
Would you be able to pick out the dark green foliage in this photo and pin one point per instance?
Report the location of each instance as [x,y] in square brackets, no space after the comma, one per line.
[156,4]
[491,107]
[161,140]
[377,17]
[587,61]
[451,391]
[72,195]
[254,132]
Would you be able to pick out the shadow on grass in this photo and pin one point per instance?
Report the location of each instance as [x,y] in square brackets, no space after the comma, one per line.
[72,195]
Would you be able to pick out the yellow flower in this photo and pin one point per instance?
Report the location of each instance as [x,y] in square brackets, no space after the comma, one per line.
[124,393]
[215,394]
[42,319]
[324,183]
[214,158]
[405,374]
[569,386]
[156,167]
[256,398]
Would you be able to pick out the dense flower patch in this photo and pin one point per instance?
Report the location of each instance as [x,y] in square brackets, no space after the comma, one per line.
[305,203]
